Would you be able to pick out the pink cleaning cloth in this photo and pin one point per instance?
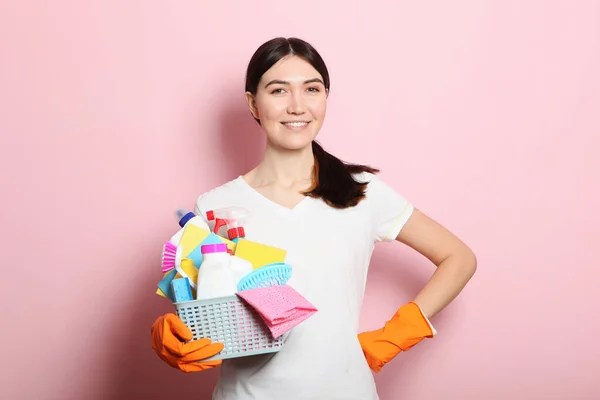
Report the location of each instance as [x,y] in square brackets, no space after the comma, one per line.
[280,306]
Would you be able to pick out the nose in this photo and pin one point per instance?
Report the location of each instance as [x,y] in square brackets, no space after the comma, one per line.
[296,105]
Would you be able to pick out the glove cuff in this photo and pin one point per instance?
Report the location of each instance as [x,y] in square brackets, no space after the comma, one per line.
[408,327]
[433,331]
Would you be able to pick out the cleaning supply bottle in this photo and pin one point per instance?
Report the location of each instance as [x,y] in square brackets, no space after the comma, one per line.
[233,218]
[215,276]
[188,221]
[184,216]
[240,268]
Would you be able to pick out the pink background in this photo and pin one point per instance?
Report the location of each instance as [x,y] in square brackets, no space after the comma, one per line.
[485,114]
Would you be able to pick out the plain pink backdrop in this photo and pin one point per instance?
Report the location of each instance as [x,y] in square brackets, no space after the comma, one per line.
[485,114]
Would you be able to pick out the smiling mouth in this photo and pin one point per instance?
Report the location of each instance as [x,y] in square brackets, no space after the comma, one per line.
[296,124]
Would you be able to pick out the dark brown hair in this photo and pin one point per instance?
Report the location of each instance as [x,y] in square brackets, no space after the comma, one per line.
[332,178]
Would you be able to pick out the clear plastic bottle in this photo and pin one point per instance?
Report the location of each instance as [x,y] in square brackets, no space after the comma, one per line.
[233,217]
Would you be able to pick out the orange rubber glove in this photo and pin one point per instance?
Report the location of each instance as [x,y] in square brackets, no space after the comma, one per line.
[404,330]
[169,337]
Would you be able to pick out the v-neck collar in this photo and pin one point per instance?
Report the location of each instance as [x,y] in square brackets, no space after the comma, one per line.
[270,203]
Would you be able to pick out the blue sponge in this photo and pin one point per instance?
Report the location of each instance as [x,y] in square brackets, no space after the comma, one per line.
[181,290]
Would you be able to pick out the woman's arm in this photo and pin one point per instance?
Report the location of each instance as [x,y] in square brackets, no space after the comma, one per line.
[455,261]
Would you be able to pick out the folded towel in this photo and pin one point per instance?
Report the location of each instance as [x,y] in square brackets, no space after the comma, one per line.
[280,306]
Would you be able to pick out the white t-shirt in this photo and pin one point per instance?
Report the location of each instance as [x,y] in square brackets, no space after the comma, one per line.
[329,250]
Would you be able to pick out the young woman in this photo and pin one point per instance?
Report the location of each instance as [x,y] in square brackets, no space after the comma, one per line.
[328,215]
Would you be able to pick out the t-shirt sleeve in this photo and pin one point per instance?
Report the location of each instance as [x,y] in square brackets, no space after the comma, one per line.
[389,209]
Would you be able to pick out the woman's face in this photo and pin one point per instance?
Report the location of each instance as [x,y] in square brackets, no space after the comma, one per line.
[290,103]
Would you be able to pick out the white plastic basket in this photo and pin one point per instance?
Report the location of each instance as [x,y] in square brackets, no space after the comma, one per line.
[231,321]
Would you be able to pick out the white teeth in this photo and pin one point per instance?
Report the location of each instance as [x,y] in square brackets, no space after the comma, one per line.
[296,124]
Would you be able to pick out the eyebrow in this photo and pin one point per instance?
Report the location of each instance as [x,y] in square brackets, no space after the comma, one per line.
[280,82]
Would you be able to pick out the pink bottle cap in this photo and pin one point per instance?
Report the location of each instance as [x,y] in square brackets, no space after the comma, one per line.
[213,248]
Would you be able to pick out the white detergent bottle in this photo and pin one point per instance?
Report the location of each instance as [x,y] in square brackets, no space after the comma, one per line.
[215,277]
[240,268]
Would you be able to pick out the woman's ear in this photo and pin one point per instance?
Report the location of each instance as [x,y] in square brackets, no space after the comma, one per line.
[252,104]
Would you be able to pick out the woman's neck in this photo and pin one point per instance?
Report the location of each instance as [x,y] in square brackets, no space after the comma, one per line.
[284,168]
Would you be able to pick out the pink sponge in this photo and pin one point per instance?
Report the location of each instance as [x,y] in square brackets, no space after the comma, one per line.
[280,306]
